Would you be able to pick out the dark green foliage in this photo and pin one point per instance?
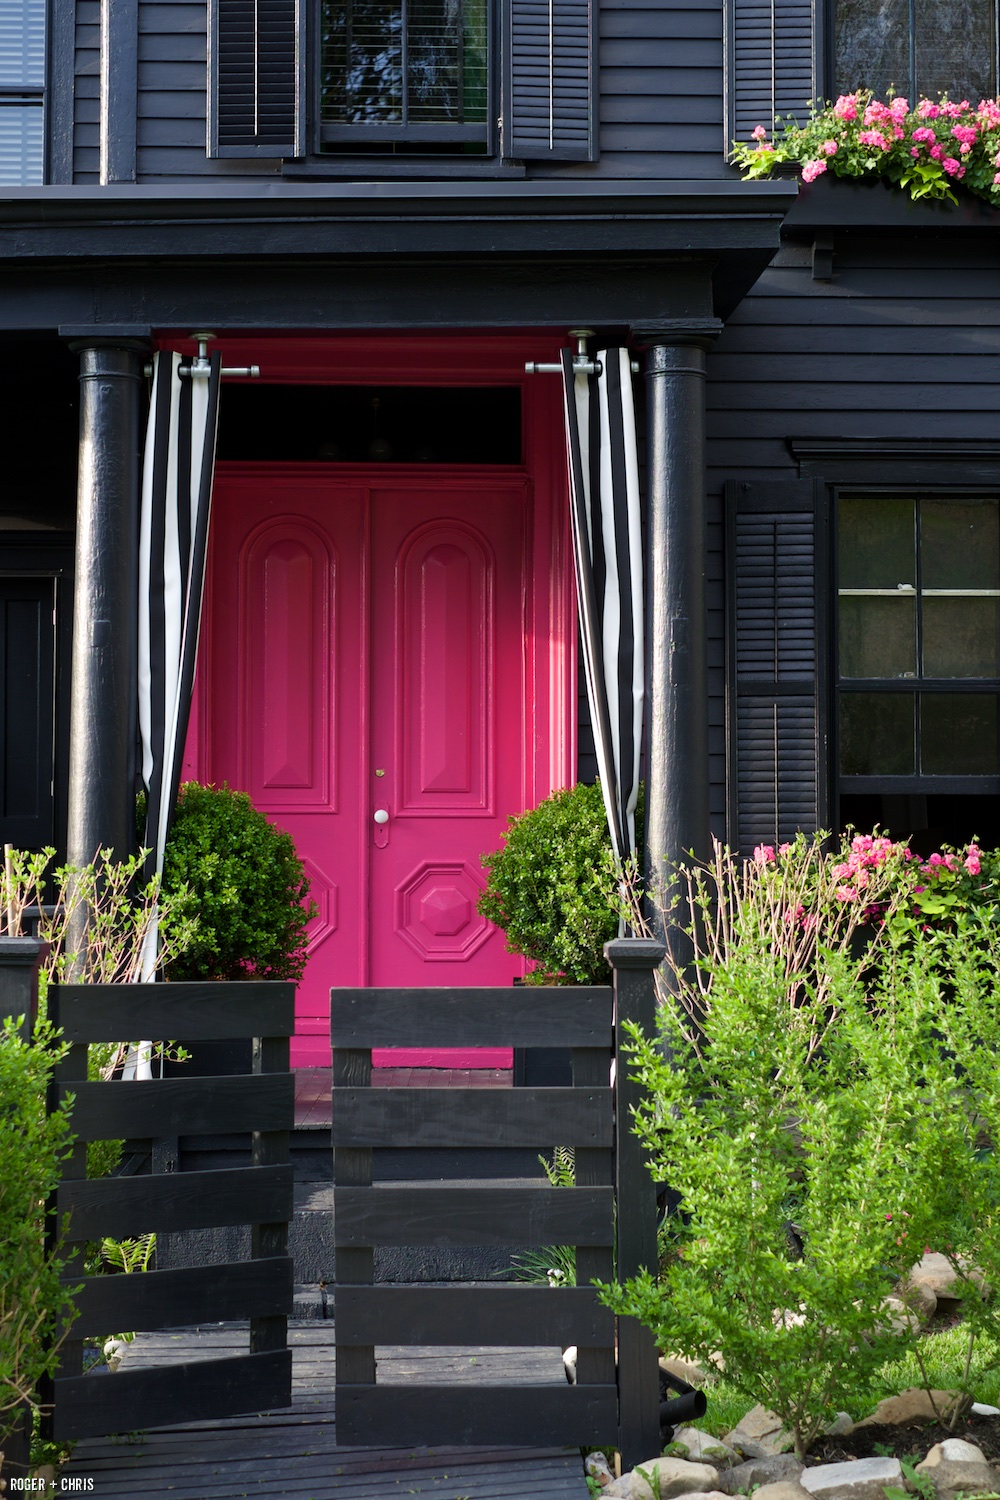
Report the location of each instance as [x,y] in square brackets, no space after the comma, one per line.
[246,888]
[552,888]
[32,1145]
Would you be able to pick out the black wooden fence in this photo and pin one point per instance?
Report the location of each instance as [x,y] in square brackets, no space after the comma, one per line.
[616,1398]
[125,1207]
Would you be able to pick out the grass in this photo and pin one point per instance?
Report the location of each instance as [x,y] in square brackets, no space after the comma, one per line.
[944,1357]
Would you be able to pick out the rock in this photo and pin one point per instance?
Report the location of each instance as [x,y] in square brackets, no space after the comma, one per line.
[962,1476]
[703,1448]
[900,1318]
[955,1450]
[920,1298]
[782,1489]
[858,1479]
[597,1466]
[684,1369]
[840,1426]
[937,1272]
[980,1409]
[916,1405]
[618,1489]
[780,1467]
[759,1434]
[675,1476]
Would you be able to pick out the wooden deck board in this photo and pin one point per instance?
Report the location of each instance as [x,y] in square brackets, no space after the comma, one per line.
[293,1454]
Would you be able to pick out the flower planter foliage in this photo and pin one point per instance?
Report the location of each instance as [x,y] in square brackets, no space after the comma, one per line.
[827,1104]
[552,887]
[241,880]
[927,150]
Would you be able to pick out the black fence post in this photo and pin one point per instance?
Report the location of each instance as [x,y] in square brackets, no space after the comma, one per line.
[20,960]
[634,961]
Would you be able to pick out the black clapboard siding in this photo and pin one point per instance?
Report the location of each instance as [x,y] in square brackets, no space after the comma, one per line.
[776,681]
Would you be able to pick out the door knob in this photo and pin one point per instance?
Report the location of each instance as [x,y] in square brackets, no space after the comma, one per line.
[381,815]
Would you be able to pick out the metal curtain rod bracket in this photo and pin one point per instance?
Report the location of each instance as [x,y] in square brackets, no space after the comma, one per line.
[201,364]
[582,363]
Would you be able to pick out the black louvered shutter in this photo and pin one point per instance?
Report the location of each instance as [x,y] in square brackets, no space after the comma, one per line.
[548,80]
[256,83]
[26,711]
[777,651]
[772,63]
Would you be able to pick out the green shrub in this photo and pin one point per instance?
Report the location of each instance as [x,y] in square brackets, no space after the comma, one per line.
[244,884]
[32,1145]
[552,888]
[801,1103]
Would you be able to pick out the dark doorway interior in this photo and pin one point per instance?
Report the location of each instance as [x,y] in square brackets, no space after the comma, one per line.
[371,424]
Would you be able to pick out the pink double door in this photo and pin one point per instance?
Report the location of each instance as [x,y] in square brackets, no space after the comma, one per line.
[367,681]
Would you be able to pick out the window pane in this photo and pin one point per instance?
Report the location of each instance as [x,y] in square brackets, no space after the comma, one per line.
[877,734]
[22,44]
[961,637]
[391,62]
[958,734]
[960,544]
[872,45]
[878,636]
[20,144]
[955,48]
[877,543]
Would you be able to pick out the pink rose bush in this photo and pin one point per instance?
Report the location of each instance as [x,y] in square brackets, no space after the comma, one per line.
[925,149]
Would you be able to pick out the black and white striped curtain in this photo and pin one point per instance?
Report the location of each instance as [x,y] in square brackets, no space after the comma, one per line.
[607,539]
[173,540]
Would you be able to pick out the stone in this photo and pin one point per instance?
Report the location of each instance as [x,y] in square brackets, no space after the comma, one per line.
[920,1298]
[980,1409]
[782,1489]
[618,1489]
[597,1466]
[962,1476]
[675,1476]
[761,1470]
[840,1426]
[684,1369]
[955,1450]
[759,1434]
[937,1272]
[900,1318]
[858,1479]
[916,1405]
[703,1448]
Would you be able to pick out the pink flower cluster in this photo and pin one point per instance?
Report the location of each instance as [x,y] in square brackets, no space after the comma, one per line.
[867,852]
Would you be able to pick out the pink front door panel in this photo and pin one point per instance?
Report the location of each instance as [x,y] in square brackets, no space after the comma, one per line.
[366,651]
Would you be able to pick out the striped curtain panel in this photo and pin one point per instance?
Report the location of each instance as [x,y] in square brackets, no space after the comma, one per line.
[607,543]
[173,540]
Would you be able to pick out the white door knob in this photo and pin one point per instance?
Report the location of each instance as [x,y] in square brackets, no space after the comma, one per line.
[381,816]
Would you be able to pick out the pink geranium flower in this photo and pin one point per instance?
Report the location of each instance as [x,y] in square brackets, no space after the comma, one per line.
[924,133]
[759,133]
[764,854]
[873,138]
[952,167]
[813,169]
[899,107]
[846,107]
[828,147]
[927,110]
[971,861]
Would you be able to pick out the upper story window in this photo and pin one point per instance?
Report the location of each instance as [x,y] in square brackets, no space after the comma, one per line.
[919,642]
[22,84]
[404,75]
[917,48]
[507,79]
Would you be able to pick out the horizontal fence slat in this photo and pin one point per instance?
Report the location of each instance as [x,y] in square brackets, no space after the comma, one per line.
[126,1206]
[523,1016]
[191,1012]
[430,1416]
[472,1117]
[195,1294]
[181,1106]
[87,1406]
[442,1315]
[445,1216]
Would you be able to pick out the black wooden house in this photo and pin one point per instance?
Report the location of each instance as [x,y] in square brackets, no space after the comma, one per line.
[390,206]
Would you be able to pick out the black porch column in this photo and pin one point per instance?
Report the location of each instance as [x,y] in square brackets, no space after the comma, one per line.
[677,778]
[102,765]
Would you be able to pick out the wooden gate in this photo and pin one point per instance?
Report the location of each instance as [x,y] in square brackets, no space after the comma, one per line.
[616,1398]
[128,1206]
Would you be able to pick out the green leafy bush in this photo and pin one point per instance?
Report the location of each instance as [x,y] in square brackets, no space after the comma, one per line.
[32,1145]
[552,888]
[819,1134]
[242,880]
